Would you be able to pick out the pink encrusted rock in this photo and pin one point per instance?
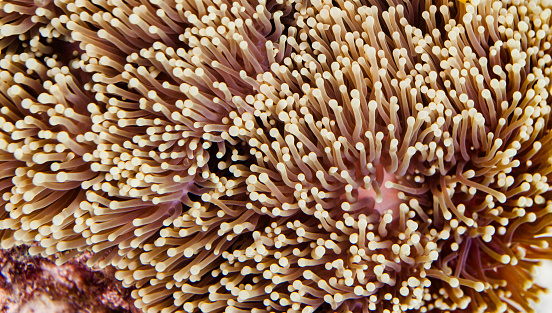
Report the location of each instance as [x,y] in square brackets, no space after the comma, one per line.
[35,284]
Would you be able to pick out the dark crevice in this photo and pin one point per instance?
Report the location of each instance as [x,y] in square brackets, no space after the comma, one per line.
[324,308]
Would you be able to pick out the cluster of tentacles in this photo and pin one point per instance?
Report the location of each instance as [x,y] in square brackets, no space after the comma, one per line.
[283,155]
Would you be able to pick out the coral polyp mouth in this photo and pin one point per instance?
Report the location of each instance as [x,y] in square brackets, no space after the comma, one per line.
[385,197]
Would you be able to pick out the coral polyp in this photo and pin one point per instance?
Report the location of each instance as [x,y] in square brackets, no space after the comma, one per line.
[283,156]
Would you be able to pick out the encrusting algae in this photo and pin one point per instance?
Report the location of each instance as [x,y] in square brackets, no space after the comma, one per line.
[283,156]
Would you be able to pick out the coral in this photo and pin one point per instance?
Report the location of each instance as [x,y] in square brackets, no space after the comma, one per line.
[283,156]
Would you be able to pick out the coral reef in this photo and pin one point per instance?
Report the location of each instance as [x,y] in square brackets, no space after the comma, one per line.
[283,155]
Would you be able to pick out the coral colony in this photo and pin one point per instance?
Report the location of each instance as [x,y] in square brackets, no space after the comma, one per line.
[283,155]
